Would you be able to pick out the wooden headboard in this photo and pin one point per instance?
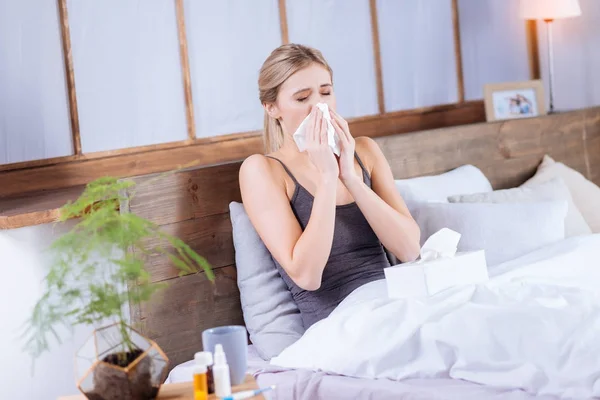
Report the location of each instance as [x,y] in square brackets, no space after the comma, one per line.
[194,205]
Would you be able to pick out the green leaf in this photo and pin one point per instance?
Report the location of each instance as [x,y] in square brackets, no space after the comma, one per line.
[180,264]
[92,264]
[201,261]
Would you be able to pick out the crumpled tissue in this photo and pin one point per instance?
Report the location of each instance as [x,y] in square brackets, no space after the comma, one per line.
[443,243]
[332,138]
[439,267]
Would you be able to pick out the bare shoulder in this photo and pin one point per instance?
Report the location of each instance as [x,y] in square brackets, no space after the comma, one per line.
[367,144]
[253,166]
[369,151]
[259,172]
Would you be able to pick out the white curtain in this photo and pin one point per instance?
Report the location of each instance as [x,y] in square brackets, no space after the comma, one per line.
[228,40]
[127,73]
[341,30]
[34,113]
[417,53]
[494,45]
[576,58]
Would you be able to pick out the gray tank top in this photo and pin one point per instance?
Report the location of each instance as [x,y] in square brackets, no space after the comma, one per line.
[357,256]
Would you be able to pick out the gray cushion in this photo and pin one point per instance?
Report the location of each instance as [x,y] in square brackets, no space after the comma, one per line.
[271,315]
[504,230]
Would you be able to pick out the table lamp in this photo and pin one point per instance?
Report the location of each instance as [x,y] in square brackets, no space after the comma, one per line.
[548,11]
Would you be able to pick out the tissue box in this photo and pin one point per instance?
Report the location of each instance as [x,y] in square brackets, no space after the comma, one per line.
[430,277]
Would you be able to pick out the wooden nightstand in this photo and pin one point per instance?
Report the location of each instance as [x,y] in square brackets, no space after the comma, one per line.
[184,391]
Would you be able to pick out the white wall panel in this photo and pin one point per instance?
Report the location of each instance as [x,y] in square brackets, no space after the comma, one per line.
[34,113]
[228,41]
[417,53]
[341,30]
[494,46]
[127,73]
[576,58]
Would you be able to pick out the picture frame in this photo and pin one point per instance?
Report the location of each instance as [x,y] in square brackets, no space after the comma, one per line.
[513,100]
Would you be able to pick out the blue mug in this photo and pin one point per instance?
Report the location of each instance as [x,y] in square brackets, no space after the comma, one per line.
[234,340]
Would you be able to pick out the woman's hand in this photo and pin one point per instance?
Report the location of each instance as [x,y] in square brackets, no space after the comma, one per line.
[318,150]
[347,147]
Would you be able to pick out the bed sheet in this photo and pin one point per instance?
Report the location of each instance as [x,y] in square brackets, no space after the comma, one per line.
[304,384]
[532,327]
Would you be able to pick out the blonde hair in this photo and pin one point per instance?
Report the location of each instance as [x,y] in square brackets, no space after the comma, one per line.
[282,63]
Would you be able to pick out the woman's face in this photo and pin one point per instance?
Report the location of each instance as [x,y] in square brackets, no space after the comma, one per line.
[299,93]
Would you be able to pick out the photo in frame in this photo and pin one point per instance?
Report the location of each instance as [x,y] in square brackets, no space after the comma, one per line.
[513,100]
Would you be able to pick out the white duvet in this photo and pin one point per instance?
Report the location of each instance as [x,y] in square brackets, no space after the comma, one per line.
[534,326]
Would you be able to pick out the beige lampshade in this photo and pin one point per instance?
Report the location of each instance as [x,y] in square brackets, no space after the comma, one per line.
[549,9]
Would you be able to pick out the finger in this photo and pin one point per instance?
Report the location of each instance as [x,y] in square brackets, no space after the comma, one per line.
[335,115]
[311,125]
[323,131]
[340,132]
[341,121]
[343,134]
[343,139]
[314,133]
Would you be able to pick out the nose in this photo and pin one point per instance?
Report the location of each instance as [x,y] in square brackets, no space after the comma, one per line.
[315,100]
[310,105]
[319,99]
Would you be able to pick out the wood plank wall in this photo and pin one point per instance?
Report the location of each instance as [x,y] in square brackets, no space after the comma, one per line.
[192,205]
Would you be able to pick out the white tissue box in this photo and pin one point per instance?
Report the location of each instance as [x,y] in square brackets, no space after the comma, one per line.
[430,277]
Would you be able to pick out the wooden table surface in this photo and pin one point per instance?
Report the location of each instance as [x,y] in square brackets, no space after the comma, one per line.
[184,391]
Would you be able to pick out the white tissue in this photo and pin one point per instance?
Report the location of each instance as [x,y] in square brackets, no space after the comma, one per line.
[332,139]
[443,243]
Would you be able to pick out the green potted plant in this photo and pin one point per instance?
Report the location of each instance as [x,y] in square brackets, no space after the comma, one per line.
[89,283]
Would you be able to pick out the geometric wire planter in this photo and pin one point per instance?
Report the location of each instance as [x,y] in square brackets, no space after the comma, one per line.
[108,371]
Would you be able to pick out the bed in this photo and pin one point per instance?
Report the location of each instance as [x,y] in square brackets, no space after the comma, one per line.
[194,205]
[305,384]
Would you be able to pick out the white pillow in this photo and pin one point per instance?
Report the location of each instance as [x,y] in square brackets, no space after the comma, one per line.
[586,195]
[466,179]
[554,189]
[504,230]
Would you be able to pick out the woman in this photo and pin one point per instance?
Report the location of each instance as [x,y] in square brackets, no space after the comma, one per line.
[323,219]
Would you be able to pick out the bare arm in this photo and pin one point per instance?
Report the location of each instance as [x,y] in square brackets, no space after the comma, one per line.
[383,207]
[302,254]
